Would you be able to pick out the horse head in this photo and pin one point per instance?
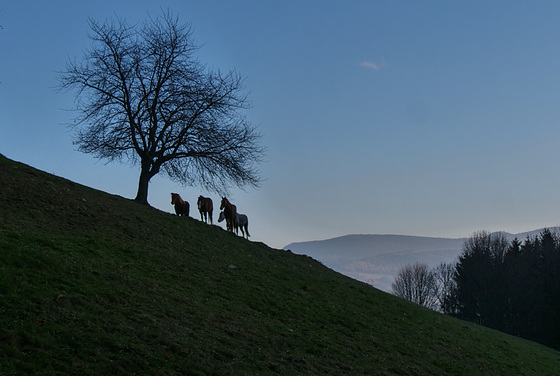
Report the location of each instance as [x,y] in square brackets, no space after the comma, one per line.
[224,203]
[222,216]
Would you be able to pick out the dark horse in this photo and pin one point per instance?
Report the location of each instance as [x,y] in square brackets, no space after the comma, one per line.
[230,212]
[181,207]
[205,207]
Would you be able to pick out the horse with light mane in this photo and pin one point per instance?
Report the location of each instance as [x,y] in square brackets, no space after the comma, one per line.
[242,222]
[205,207]
[181,206]
[230,213]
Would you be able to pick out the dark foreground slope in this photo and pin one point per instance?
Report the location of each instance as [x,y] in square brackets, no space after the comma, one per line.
[95,284]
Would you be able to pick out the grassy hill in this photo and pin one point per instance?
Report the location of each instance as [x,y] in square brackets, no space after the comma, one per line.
[94,284]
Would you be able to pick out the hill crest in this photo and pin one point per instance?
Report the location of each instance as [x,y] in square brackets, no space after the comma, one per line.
[96,284]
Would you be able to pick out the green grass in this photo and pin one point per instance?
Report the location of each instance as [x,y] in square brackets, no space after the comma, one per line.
[94,284]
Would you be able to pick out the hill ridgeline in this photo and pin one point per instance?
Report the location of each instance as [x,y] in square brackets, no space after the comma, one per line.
[95,284]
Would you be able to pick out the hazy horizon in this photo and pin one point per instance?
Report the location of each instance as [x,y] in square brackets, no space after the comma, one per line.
[420,118]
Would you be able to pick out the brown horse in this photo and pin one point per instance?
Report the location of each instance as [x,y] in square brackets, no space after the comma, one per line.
[181,207]
[205,207]
[230,212]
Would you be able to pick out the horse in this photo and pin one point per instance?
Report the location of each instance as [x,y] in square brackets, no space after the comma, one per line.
[181,207]
[230,213]
[241,222]
[205,207]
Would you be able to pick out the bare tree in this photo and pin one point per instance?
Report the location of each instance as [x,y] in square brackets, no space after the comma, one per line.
[446,291]
[418,284]
[142,96]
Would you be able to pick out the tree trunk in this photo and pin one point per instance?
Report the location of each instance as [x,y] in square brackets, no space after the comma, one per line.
[148,171]
[142,195]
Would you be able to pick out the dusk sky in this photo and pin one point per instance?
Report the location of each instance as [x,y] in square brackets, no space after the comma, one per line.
[431,118]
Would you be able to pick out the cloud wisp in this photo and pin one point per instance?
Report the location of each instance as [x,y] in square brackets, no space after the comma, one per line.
[373,65]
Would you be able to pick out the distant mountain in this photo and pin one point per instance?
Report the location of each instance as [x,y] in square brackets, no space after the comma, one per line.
[376,259]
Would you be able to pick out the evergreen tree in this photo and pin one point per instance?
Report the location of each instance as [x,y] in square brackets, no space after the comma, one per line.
[510,286]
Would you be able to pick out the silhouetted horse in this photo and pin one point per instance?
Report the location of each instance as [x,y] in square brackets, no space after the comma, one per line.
[242,222]
[181,207]
[230,213]
[205,207]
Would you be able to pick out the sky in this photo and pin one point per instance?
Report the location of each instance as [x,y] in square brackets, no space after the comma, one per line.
[432,118]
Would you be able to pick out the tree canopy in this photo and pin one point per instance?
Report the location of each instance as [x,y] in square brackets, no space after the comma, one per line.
[142,96]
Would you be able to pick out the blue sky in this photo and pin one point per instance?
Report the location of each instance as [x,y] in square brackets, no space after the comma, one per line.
[435,118]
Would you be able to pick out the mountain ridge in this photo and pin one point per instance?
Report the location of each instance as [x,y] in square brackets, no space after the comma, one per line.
[376,258]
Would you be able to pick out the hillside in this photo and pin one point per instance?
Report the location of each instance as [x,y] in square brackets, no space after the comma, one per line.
[94,284]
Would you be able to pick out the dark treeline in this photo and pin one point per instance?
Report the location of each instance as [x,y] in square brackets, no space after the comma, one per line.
[511,286]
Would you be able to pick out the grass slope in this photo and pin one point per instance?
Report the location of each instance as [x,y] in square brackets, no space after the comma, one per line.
[94,284]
